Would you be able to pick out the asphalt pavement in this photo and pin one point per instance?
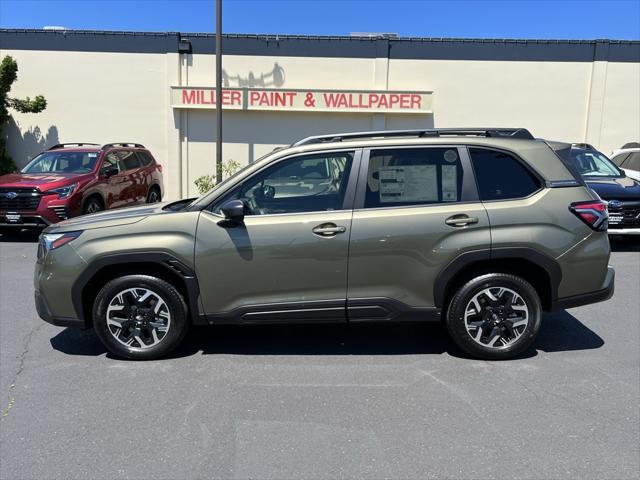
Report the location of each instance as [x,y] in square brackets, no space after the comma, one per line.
[364,401]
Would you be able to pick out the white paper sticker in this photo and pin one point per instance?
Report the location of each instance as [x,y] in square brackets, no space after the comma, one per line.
[449,183]
[411,183]
[92,155]
[451,156]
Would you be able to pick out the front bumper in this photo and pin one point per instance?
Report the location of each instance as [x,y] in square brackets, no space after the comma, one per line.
[601,295]
[44,312]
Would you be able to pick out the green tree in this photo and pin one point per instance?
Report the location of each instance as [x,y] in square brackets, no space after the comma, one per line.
[8,75]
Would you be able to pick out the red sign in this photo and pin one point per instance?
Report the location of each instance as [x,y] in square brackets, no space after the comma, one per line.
[304,100]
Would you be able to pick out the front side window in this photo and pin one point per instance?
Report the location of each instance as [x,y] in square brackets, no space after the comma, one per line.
[62,162]
[591,163]
[500,176]
[413,176]
[311,183]
[110,161]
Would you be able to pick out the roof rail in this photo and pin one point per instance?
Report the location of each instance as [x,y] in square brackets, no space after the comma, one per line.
[75,144]
[585,146]
[521,133]
[122,144]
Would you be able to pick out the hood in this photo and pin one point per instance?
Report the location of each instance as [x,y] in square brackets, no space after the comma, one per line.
[41,181]
[611,188]
[109,218]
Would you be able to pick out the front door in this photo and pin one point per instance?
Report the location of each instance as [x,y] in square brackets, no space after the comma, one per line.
[416,210]
[288,260]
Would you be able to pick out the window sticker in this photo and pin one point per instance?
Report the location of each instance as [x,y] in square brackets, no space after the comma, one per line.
[92,155]
[449,183]
[411,183]
[451,156]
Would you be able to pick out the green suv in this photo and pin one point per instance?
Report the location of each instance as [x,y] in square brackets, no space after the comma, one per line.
[483,229]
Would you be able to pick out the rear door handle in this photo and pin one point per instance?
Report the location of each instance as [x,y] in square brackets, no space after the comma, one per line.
[460,220]
[328,229]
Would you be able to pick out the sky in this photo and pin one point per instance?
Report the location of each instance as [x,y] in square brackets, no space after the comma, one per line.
[544,19]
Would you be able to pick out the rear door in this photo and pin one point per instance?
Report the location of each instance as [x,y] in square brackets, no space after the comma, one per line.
[133,185]
[416,209]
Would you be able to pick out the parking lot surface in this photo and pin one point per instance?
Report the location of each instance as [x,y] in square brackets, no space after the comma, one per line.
[366,401]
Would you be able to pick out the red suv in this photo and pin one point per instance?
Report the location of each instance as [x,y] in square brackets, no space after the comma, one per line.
[72,179]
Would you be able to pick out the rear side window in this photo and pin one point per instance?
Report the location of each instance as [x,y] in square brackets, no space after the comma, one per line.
[128,160]
[500,176]
[145,158]
[413,176]
[633,161]
[619,159]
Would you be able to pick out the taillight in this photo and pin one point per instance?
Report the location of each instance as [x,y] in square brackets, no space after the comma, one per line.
[593,213]
[159,167]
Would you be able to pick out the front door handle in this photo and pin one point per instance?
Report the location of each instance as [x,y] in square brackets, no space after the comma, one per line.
[328,229]
[460,220]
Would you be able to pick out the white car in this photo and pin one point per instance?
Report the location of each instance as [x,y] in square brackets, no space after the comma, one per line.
[628,159]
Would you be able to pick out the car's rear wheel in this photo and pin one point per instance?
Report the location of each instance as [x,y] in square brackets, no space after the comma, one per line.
[154,195]
[92,205]
[494,316]
[140,317]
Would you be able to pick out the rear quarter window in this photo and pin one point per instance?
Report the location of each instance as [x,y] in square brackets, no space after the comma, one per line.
[501,176]
[145,158]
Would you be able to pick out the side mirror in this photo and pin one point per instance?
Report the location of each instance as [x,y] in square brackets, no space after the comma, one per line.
[110,171]
[233,211]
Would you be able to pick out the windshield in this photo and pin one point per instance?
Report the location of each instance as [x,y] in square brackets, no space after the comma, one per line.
[591,163]
[62,162]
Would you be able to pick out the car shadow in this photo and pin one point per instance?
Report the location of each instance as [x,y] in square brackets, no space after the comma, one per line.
[560,331]
[24,236]
[621,243]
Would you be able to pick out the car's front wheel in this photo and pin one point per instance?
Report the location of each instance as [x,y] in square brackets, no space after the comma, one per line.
[93,205]
[140,317]
[494,316]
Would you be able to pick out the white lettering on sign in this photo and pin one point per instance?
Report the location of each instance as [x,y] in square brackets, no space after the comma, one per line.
[303,100]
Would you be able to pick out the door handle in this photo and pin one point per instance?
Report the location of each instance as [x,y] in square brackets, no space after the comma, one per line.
[460,220]
[328,229]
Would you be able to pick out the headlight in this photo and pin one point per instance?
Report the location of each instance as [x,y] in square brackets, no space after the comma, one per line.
[64,192]
[51,241]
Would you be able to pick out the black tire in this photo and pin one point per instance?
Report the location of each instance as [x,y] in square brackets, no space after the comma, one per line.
[10,232]
[494,320]
[154,195]
[175,306]
[92,205]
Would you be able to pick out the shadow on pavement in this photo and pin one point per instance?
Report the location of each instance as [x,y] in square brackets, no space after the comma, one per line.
[560,331]
[630,243]
[24,236]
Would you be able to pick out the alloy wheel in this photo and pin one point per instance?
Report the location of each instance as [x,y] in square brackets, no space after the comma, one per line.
[93,207]
[496,317]
[138,317]
[153,196]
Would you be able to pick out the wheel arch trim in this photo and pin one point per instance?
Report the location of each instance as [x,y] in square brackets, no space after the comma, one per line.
[468,259]
[170,263]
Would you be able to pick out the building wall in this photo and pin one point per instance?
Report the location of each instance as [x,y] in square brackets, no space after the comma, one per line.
[105,96]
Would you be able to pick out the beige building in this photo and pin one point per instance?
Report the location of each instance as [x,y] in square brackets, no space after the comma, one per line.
[157,89]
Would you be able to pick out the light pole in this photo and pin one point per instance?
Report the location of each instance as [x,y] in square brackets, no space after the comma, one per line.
[219,91]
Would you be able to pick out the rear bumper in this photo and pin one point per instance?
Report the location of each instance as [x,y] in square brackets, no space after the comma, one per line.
[601,295]
[623,231]
[44,312]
